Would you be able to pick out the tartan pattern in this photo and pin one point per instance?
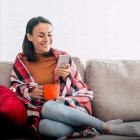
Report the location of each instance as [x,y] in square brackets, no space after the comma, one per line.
[74,91]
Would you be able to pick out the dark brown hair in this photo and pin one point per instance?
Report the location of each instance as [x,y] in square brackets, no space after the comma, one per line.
[27,46]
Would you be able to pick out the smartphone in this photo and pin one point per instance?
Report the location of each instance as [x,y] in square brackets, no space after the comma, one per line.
[63,59]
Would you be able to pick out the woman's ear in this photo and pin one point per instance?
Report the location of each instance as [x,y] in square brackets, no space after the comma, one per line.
[29,37]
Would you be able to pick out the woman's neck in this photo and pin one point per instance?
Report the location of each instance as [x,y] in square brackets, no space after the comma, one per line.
[46,54]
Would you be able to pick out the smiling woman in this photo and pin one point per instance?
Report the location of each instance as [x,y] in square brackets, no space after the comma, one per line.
[41,37]
[72,110]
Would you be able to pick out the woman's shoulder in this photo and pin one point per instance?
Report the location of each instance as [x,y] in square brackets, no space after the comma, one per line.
[19,56]
[60,52]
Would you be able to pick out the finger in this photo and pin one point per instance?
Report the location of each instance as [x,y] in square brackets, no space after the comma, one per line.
[40,86]
[39,90]
[67,65]
[40,94]
[62,69]
[35,95]
[39,97]
[59,68]
[62,73]
[64,65]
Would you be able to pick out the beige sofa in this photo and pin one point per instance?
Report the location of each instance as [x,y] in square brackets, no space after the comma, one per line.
[116,86]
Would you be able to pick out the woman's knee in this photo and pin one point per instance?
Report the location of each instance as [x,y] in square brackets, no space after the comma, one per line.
[47,107]
[51,128]
[46,129]
[53,109]
[48,104]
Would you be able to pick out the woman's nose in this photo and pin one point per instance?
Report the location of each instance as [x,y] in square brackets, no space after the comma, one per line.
[46,38]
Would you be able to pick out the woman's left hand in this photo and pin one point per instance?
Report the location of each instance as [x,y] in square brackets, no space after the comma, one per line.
[63,71]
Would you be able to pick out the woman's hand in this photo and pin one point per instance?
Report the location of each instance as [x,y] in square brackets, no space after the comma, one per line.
[37,93]
[63,71]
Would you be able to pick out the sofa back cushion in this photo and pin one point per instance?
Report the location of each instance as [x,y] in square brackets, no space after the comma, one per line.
[6,68]
[116,86]
[80,66]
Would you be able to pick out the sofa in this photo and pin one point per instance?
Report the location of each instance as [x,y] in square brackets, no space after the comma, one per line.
[116,86]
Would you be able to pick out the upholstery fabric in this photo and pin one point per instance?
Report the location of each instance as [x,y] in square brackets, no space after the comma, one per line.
[11,108]
[5,70]
[116,86]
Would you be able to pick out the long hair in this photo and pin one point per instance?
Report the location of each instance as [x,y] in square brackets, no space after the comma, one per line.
[27,46]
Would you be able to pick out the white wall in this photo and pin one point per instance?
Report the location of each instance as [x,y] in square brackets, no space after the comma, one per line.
[86,28]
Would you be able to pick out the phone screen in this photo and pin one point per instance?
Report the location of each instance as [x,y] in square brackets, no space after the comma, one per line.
[63,59]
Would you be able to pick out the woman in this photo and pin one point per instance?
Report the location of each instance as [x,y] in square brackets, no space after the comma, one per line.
[36,66]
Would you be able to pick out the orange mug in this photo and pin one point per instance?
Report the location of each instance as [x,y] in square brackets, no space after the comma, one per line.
[51,91]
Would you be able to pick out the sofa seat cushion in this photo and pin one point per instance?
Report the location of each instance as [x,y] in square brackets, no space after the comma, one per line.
[11,108]
[116,86]
[111,137]
[107,137]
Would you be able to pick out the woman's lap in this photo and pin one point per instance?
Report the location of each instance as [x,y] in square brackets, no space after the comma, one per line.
[62,120]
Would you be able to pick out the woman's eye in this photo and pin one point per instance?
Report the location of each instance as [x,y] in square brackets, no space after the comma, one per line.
[40,36]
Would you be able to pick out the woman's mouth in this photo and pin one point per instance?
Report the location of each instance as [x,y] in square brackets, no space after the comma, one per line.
[46,45]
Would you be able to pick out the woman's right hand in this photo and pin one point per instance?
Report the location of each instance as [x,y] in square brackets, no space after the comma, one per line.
[37,93]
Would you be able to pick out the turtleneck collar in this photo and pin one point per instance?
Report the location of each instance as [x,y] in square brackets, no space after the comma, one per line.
[46,54]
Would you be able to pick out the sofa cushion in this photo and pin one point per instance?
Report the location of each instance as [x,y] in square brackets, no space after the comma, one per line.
[11,108]
[116,86]
[5,70]
[80,67]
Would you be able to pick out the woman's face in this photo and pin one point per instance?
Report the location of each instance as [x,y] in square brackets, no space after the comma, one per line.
[41,37]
